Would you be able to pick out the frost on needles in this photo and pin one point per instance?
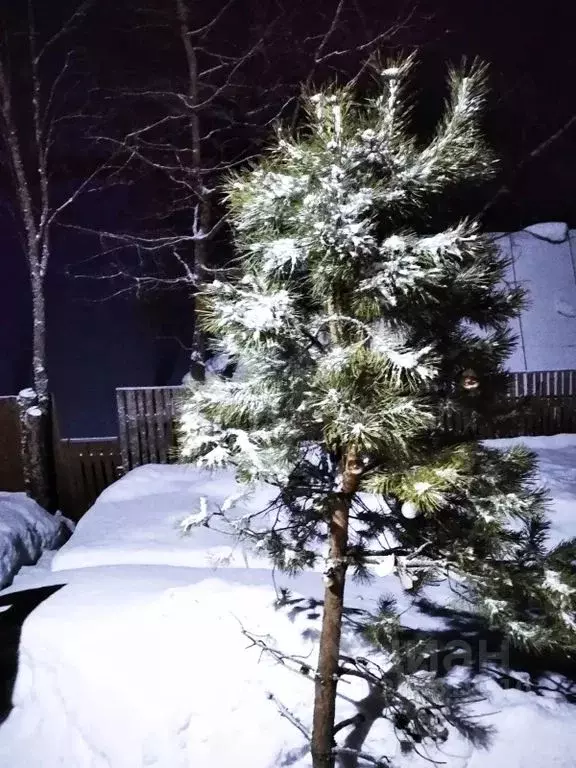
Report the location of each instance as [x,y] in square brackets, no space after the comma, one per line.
[359,332]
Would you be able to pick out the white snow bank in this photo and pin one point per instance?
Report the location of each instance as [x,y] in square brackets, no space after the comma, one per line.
[26,530]
[137,521]
[135,666]
[146,665]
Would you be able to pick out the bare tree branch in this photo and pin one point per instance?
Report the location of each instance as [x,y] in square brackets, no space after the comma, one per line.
[288,715]
[536,152]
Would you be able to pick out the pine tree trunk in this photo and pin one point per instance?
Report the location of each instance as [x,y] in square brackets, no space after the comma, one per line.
[329,655]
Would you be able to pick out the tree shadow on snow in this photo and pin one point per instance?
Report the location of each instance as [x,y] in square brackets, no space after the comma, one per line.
[20,606]
[467,641]
[463,640]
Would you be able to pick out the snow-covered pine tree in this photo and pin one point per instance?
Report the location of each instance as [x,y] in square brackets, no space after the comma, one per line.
[357,327]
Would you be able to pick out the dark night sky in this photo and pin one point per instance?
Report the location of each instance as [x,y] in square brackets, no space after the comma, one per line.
[530,49]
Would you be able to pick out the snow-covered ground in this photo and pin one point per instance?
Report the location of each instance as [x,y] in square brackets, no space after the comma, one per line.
[26,530]
[137,521]
[140,660]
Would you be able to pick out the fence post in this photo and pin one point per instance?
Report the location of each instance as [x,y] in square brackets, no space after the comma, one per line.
[37,449]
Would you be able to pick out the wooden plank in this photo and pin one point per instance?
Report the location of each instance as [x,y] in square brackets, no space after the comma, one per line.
[565,383]
[167,423]
[75,481]
[134,455]
[96,453]
[160,421]
[145,441]
[11,466]
[111,461]
[175,396]
[88,487]
[123,428]
[139,418]
[146,438]
[151,425]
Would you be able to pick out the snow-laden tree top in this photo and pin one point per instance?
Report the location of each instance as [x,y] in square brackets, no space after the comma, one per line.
[322,315]
[357,327]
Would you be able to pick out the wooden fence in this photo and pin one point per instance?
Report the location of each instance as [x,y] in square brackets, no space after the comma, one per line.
[84,468]
[146,418]
[545,402]
[543,384]
[11,465]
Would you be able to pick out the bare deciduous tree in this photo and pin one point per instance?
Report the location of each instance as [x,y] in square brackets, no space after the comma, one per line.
[209,109]
[38,104]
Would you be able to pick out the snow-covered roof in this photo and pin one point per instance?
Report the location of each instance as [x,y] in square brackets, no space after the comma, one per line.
[544,261]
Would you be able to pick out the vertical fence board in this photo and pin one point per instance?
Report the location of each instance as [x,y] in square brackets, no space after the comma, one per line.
[145,441]
[151,424]
[159,421]
[86,466]
[123,427]
[11,464]
[134,456]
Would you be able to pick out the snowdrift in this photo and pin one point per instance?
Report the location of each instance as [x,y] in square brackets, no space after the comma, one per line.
[26,530]
[131,665]
[136,521]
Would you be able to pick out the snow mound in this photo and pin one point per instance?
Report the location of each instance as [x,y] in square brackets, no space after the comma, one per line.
[553,231]
[26,530]
[137,521]
[130,669]
[147,665]
[134,666]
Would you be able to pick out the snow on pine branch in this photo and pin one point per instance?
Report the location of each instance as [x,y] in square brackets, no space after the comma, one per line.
[250,309]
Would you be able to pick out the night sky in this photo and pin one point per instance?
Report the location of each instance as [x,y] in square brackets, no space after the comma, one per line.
[96,343]
[529,47]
